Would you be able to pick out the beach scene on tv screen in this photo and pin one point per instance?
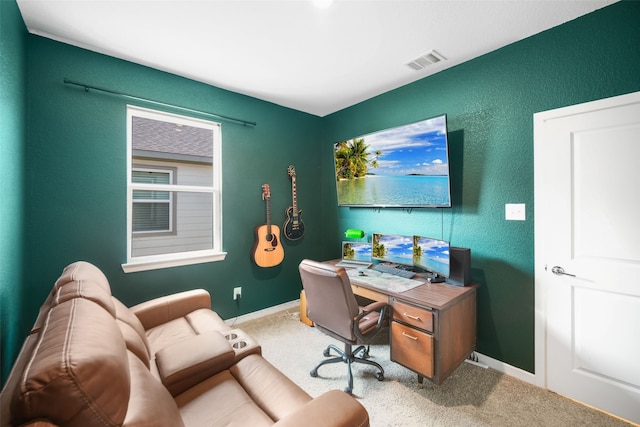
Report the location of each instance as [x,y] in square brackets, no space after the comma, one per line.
[403,166]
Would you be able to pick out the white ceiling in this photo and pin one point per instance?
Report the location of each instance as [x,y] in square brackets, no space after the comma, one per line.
[290,52]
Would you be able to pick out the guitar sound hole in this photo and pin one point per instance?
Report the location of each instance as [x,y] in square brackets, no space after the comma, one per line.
[269,237]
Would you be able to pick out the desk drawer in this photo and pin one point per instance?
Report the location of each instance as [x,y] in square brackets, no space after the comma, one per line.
[412,348]
[414,316]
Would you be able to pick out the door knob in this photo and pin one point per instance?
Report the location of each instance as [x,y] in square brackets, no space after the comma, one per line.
[559,271]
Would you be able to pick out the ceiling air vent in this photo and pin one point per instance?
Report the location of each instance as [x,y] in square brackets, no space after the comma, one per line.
[425,60]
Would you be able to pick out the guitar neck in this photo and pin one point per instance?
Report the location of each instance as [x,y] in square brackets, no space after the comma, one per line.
[268,204]
[293,193]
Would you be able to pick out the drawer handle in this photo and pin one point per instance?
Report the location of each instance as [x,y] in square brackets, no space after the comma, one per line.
[404,334]
[411,317]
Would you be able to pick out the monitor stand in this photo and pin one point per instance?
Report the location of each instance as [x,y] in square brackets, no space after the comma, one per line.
[434,278]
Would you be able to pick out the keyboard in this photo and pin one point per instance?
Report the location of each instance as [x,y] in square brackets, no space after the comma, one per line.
[393,270]
[351,264]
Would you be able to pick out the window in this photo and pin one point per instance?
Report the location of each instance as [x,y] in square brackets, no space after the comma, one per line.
[174,214]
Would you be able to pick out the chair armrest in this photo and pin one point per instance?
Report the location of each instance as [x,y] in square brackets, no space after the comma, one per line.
[374,306]
[161,310]
[380,308]
[188,362]
[334,408]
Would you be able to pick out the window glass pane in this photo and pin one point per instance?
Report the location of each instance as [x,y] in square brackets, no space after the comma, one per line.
[174,143]
[150,177]
[151,217]
[150,195]
[193,226]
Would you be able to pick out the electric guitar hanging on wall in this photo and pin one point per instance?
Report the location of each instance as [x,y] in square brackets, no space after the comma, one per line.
[293,226]
[267,250]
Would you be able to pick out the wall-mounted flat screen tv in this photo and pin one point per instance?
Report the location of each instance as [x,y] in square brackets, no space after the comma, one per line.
[405,166]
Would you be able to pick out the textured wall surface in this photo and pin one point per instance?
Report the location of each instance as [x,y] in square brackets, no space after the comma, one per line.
[12,124]
[490,102]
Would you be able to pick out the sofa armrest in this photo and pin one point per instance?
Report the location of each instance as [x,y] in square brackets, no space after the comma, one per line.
[334,408]
[188,362]
[161,310]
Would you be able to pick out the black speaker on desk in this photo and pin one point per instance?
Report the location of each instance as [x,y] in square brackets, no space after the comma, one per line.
[459,266]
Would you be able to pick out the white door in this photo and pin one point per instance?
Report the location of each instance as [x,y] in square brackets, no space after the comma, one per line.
[587,224]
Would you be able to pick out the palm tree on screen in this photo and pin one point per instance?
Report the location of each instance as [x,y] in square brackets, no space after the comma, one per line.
[352,159]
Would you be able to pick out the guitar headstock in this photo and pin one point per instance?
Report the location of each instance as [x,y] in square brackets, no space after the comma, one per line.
[292,171]
[266,191]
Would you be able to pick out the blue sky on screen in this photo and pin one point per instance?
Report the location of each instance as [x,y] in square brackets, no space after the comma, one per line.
[398,247]
[435,249]
[362,250]
[417,148]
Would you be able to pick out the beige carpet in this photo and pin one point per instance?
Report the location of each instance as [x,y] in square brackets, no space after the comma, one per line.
[472,396]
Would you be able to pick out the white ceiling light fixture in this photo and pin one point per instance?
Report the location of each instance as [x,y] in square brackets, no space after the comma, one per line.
[425,60]
[322,4]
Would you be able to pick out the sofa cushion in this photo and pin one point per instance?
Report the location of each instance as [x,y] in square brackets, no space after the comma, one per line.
[78,373]
[276,394]
[150,403]
[168,333]
[78,280]
[82,270]
[132,331]
[170,307]
[220,401]
[204,320]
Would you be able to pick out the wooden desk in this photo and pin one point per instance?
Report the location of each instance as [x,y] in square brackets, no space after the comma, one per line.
[433,326]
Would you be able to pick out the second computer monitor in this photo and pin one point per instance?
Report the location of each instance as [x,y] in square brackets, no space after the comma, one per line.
[394,248]
[431,255]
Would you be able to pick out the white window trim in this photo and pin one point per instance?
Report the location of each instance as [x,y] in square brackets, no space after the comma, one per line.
[152,262]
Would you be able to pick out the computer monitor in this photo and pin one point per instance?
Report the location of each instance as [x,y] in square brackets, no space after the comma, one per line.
[433,256]
[393,248]
[356,252]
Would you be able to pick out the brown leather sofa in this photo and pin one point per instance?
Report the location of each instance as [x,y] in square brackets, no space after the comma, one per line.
[172,361]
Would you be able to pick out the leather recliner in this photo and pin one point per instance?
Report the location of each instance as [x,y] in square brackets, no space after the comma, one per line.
[91,361]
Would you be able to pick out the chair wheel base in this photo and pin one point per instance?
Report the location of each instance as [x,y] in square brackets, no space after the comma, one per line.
[348,390]
[379,376]
[314,373]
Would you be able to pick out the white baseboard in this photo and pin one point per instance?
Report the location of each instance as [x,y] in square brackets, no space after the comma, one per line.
[507,369]
[490,362]
[295,304]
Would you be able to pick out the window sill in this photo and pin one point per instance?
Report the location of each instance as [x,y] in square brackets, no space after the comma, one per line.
[172,260]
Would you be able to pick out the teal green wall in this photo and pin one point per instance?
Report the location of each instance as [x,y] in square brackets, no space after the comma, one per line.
[12,138]
[73,178]
[76,180]
[490,102]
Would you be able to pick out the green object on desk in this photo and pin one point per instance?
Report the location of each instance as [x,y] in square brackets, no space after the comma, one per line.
[353,233]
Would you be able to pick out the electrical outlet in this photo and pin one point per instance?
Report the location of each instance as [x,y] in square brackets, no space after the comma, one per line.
[237,293]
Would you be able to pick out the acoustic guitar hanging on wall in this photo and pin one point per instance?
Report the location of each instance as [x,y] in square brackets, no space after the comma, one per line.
[293,226]
[267,250]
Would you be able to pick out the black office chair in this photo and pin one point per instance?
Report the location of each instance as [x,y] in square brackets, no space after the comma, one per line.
[334,310]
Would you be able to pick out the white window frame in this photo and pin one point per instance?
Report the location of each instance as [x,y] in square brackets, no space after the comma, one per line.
[152,262]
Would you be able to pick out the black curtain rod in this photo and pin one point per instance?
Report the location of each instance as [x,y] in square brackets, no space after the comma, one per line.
[87,88]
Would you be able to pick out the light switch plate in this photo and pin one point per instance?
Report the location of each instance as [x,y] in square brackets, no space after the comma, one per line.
[515,212]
